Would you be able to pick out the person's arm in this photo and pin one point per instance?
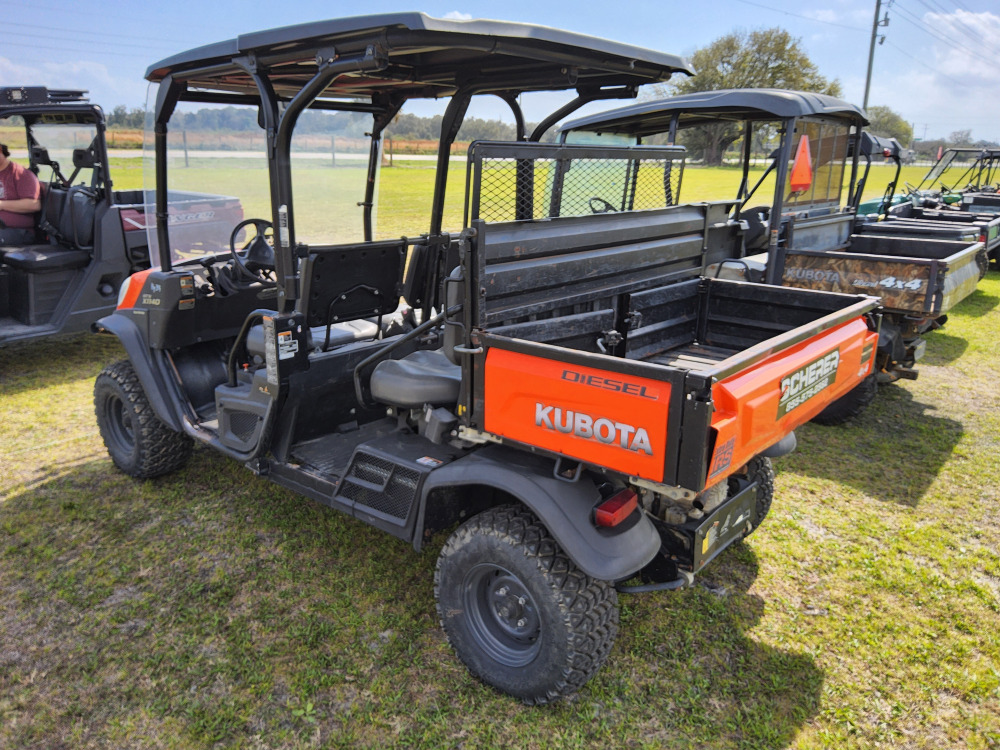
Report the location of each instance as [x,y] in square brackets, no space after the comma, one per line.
[21,205]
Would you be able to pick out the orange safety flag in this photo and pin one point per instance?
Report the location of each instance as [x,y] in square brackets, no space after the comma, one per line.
[802,172]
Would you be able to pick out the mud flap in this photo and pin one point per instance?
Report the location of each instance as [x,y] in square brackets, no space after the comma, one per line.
[154,381]
[565,508]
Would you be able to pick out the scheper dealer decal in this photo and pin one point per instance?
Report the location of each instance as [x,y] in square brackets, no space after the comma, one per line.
[602,417]
[801,385]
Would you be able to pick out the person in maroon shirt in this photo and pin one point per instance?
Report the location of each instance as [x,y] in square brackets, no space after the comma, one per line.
[20,200]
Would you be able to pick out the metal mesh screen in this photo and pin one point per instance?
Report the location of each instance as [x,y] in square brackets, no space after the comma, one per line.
[510,182]
[400,485]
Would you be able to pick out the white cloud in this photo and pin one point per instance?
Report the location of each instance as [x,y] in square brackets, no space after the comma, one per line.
[105,87]
[457,15]
[841,17]
[954,89]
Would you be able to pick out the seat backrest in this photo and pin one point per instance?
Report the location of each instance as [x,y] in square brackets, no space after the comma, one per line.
[350,282]
[53,207]
[76,225]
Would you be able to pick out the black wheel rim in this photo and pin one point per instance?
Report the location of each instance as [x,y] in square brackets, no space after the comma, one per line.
[502,615]
[119,420]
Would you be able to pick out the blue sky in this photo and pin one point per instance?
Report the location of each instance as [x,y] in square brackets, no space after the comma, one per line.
[937,67]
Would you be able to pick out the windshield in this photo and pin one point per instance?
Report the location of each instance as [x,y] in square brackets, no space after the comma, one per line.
[818,158]
[960,168]
[60,140]
[216,175]
[329,172]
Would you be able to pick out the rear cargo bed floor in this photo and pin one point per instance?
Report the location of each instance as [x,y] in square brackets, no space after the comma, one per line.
[693,356]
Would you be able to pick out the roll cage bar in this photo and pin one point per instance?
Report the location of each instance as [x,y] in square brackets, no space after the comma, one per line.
[375,64]
[744,107]
[981,172]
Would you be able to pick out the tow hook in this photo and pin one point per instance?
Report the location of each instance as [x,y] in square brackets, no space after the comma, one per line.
[684,580]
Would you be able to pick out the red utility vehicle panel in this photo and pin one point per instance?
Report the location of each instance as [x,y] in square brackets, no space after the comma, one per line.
[598,416]
[757,407]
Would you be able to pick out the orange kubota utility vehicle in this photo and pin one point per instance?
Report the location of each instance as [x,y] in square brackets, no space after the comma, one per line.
[558,379]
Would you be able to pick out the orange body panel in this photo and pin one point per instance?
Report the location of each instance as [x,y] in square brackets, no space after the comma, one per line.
[135,284]
[757,407]
[598,416]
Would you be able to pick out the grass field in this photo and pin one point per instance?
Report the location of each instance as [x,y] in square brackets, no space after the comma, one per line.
[404,198]
[211,609]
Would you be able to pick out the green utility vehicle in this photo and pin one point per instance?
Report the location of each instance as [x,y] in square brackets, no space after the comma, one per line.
[89,236]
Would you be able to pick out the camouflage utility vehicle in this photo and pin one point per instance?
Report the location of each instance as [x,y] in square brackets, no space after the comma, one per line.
[802,232]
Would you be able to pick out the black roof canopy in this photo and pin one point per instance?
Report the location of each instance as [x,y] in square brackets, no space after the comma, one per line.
[425,57]
[646,118]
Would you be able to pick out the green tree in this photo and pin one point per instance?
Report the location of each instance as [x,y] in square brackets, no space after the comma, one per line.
[122,117]
[764,58]
[960,138]
[883,121]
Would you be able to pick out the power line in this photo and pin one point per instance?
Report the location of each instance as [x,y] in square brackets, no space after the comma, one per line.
[34,46]
[932,32]
[798,15]
[107,34]
[33,9]
[903,52]
[963,26]
[29,35]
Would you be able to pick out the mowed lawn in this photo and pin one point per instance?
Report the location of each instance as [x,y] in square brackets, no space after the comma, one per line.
[212,609]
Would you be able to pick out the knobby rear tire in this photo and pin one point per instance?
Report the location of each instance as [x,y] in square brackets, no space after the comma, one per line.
[520,615]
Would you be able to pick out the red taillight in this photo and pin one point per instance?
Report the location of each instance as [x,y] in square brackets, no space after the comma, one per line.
[982,238]
[616,508]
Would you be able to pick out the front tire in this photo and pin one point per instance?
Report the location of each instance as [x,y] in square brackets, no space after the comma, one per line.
[851,404]
[137,441]
[520,615]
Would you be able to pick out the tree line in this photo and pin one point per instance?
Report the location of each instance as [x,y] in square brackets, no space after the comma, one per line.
[407,127]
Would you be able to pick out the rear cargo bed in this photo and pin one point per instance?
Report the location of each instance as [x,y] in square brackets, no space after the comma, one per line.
[595,337]
[914,275]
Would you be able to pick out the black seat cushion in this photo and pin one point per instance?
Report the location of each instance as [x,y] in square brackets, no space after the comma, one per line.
[339,334]
[424,377]
[45,258]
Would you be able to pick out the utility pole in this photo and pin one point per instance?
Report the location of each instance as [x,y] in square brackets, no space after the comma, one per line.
[871,50]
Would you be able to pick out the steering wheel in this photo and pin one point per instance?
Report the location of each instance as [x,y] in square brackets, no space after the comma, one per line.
[257,254]
[601,206]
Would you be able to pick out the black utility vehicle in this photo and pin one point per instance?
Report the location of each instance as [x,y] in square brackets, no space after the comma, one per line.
[803,233]
[89,237]
[558,378]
